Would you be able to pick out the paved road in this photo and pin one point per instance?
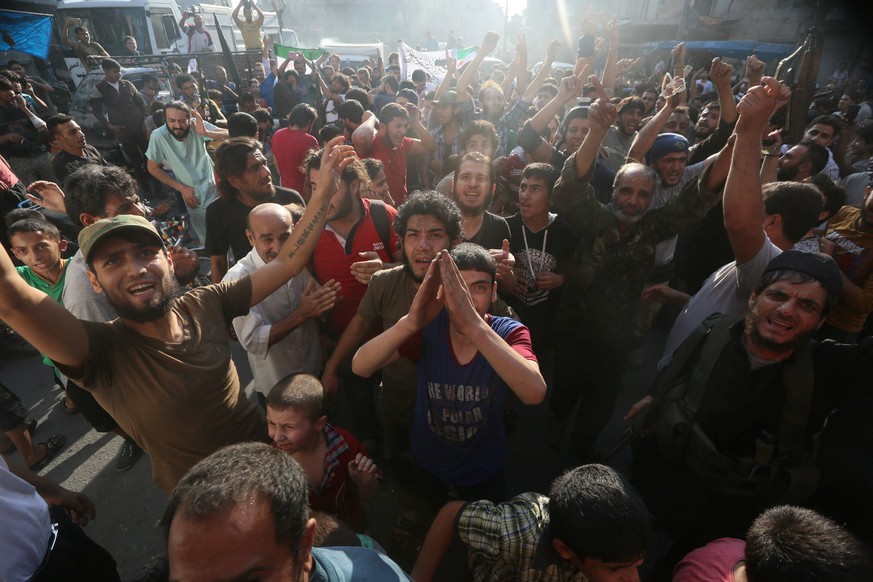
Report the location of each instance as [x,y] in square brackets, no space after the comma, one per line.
[129,505]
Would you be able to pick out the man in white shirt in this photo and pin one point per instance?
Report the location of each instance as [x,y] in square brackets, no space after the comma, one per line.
[279,333]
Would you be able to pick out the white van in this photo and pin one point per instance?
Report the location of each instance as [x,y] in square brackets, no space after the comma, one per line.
[154,24]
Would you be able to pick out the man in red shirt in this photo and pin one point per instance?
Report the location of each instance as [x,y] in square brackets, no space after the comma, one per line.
[291,145]
[390,145]
[358,240]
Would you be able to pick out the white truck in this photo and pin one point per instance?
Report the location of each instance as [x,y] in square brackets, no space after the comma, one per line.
[155,26]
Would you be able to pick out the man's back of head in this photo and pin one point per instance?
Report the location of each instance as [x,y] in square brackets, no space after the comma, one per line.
[798,204]
[596,514]
[797,544]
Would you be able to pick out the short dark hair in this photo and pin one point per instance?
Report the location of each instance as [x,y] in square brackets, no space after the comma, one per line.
[543,171]
[330,531]
[816,154]
[240,474]
[5,83]
[834,194]
[328,132]
[342,79]
[354,171]
[392,111]
[419,75]
[389,80]
[182,79]
[89,188]
[479,127]
[797,203]
[798,544]
[373,167]
[302,115]
[351,110]
[472,257]
[241,124]
[148,78]
[262,116]
[829,120]
[596,512]
[301,392]
[549,88]
[231,160]
[246,96]
[358,95]
[55,121]
[107,64]
[35,225]
[430,202]
[632,102]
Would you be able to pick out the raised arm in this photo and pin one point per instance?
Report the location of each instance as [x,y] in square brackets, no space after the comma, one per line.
[68,23]
[531,92]
[601,115]
[425,143]
[489,43]
[235,14]
[743,201]
[39,319]
[437,542]
[382,349]
[362,137]
[299,246]
[720,74]
[649,133]
[530,138]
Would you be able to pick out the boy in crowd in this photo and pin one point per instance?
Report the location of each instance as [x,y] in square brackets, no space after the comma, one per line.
[38,244]
[592,527]
[541,243]
[339,469]
[466,361]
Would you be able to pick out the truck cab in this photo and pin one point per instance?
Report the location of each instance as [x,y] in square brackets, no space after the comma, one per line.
[155,26]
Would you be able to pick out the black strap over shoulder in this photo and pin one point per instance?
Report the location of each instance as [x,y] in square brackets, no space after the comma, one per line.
[380,221]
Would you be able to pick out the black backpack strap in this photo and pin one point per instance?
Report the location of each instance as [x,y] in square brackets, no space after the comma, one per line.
[380,221]
[798,378]
[719,337]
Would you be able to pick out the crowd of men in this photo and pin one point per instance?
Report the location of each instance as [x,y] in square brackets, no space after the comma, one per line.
[436,253]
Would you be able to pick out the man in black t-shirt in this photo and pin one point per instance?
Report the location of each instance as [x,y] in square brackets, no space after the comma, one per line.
[244,181]
[472,191]
[75,151]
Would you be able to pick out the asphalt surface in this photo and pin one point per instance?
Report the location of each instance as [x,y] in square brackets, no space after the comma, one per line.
[129,504]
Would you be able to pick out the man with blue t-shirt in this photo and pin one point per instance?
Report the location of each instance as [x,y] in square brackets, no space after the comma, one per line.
[466,359]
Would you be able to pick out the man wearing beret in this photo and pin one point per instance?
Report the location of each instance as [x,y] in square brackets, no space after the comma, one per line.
[612,260]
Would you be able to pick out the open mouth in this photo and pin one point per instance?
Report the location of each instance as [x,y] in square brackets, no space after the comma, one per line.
[141,289]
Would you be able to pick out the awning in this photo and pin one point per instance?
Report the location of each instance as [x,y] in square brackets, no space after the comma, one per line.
[736,49]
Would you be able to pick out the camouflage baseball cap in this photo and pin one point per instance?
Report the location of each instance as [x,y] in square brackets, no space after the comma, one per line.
[91,235]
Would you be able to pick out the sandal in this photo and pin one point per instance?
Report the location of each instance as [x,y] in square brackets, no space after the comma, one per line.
[53,446]
[64,401]
[31,427]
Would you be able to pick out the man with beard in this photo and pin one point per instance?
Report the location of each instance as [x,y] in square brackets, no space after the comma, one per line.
[163,368]
[358,241]
[620,136]
[472,192]
[279,333]
[390,145]
[752,393]
[182,151]
[801,161]
[244,181]
[425,224]
[760,223]
[242,514]
[75,151]
[613,258]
